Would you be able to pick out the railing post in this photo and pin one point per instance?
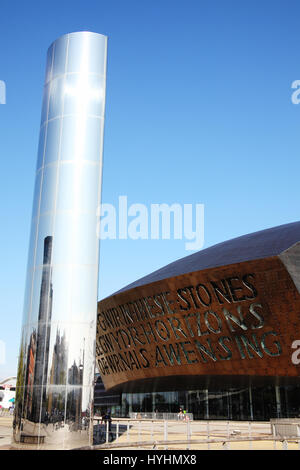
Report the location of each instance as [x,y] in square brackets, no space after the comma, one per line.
[117,431]
[250,435]
[188,432]
[128,428]
[284,445]
[227,446]
[166,433]
[274,435]
[208,436]
[107,426]
[273,429]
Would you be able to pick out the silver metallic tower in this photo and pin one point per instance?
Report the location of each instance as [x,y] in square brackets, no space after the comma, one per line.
[57,355]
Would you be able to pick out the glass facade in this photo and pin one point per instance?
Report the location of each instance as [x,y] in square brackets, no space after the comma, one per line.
[105,401]
[57,355]
[248,403]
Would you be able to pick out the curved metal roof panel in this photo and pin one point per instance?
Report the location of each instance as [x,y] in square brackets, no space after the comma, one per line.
[261,244]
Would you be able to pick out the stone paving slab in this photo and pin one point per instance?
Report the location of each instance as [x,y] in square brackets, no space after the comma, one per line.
[6,432]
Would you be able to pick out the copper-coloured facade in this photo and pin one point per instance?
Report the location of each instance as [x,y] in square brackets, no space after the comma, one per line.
[227,325]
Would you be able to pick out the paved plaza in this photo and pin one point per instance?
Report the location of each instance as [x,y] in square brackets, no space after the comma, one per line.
[5,432]
[194,435]
[127,433]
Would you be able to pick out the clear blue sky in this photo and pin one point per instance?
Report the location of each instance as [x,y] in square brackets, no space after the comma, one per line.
[198,110]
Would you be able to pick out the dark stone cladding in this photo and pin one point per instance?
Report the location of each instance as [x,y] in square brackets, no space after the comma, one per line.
[257,245]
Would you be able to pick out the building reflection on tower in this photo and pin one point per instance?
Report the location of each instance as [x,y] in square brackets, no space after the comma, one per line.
[55,376]
[45,399]
[42,335]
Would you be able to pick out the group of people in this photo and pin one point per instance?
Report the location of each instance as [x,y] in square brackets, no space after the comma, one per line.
[182,415]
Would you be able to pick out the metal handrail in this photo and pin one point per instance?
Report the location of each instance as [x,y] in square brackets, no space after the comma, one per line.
[161,416]
[156,443]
